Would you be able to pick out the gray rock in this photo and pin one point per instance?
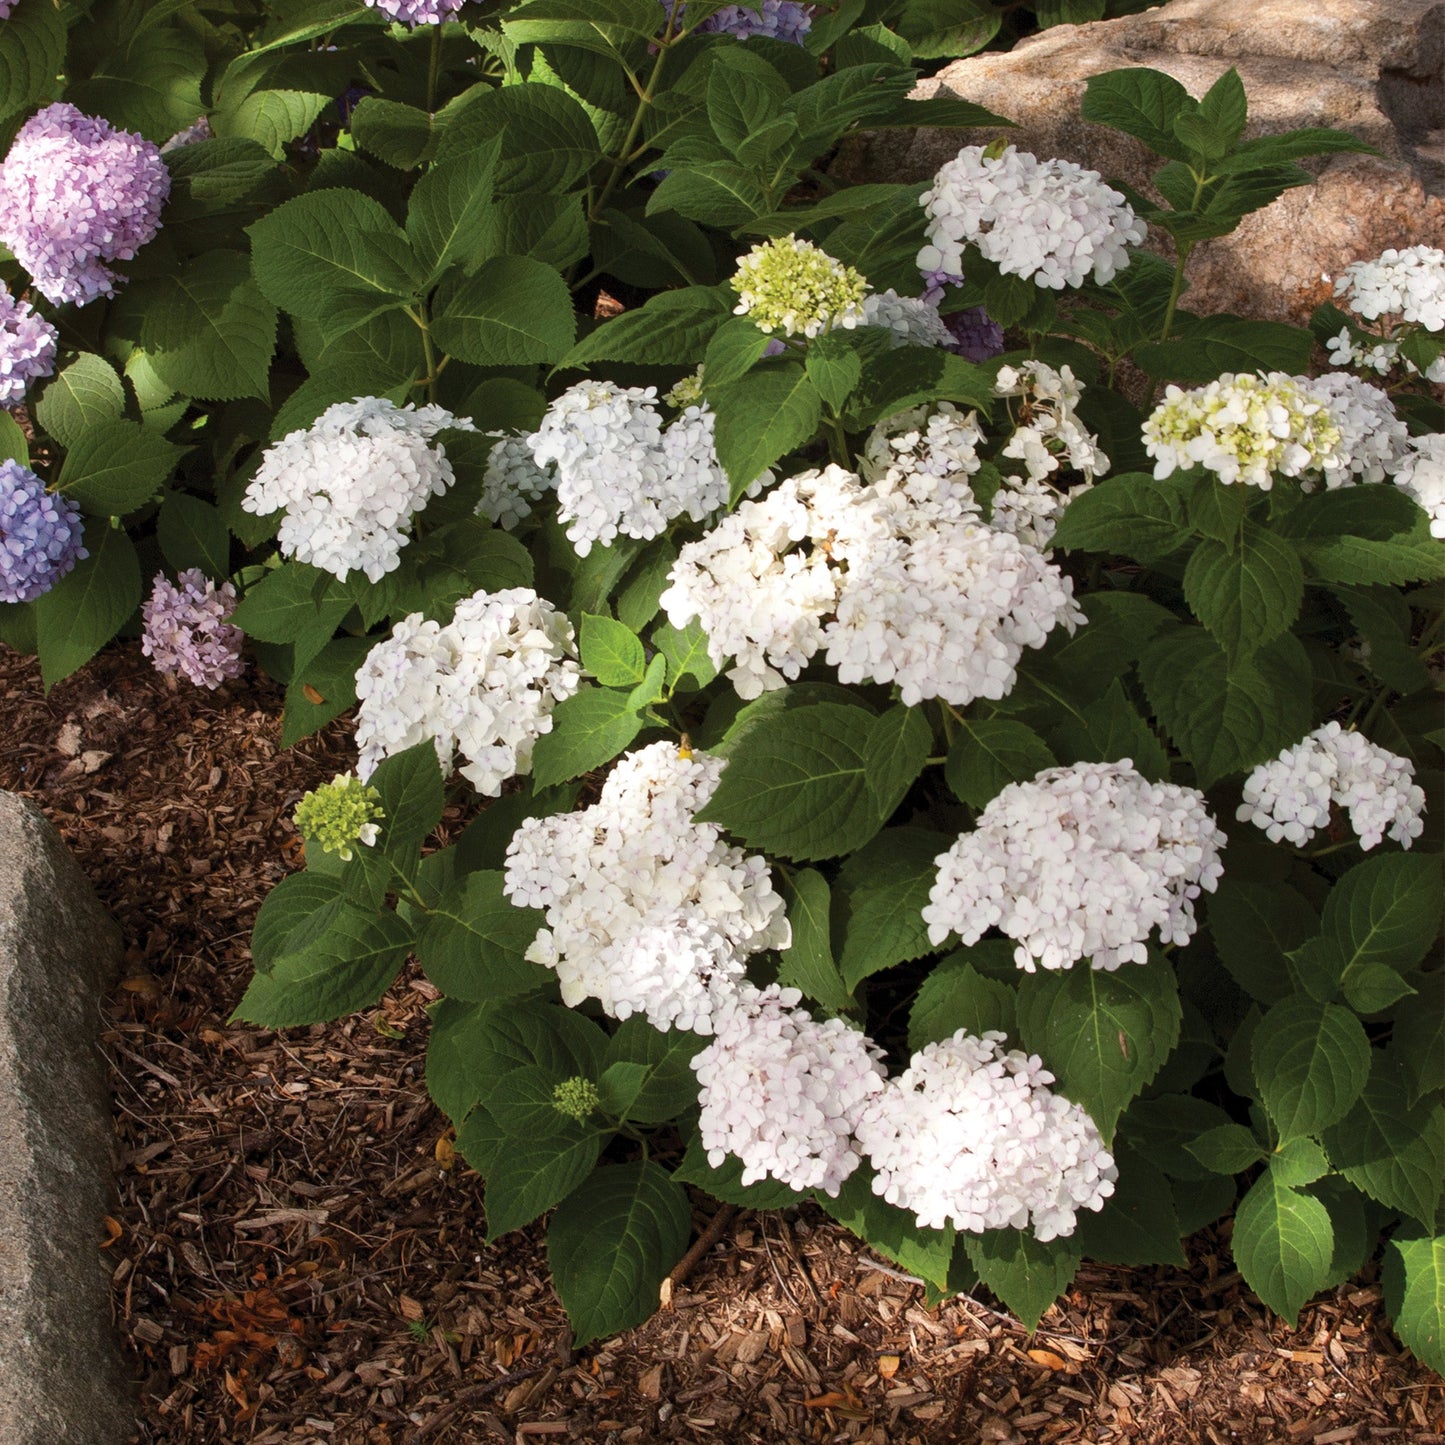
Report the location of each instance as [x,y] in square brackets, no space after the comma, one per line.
[1375,68]
[60,1374]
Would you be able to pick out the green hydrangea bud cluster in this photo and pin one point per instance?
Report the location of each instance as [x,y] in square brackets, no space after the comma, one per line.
[792,286]
[687,392]
[576,1098]
[339,814]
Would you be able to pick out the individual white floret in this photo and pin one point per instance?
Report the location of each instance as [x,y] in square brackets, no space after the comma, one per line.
[646,910]
[1372,437]
[352,482]
[1244,429]
[947,612]
[1290,796]
[1049,220]
[1408,283]
[913,321]
[782,1091]
[512,482]
[484,685]
[971,1135]
[1420,472]
[1079,862]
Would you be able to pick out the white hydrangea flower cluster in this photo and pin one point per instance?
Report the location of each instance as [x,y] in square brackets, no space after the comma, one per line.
[912,320]
[927,454]
[1079,862]
[618,471]
[484,685]
[647,911]
[1420,472]
[352,482]
[1047,431]
[1379,356]
[1372,436]
[971,1135]
[782,1091]
[1050,220]
[793,287]
[512,482]
[1290,796]
[1244,428]
[1408,283]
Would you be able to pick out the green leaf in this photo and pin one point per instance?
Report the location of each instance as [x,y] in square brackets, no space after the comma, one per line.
[897,748]
[1115,731]
[1222,113]
[192,533]
[1227,1149]
[1247,593]
[1131,514]
[689,667]
[548,141]
[13,445]
[1283,1242]
[611,1245]
[85,394]
[335,255]
[892,1232]
[1297,1162]
[1389,1147]
[713,192]
[990,753]
[1310,1062]
[294,603]
[1410,556]
[413,794]
[322,688]
[88,606]
[347,967]
[1142,103]
[401,135]
[672,328]
[667,1086]
[513,312]
[1255,927]
[116,466]
[725,1181]
[1208,346]
[1026,1275]
[1414,1285]
[298,901]
[207,329]
[834,367]
[799,787]
[447,215]
[589,729]
[32,54]
[652,688]
[886,887]
[761,417]
[271,118]
[1383,618]
[1418,1035]
[735,348]
[611,652]
[1226,719]
[1104,1035]
[808,962]
[744,93]
[955,995]
[1163,1127]
[1138,1224]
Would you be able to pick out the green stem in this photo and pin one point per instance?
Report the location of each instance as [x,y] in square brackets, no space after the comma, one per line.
[1184,250]
[644,100]
[433,70]
[837,442]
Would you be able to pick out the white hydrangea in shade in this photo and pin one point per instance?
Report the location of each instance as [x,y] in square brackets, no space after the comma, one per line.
[1079,862]
[1290,796]
[1049,220]
[1408,283]
[782,1091]
[926,454]
[646,910]
[1379,356]
[512,482]
[1047,433]
[762,580]
[971,1135]
[947,611]
[791,286]
[1372,436]
[352,482]
[1246,429]
[484,685]
[1420,471]
[618,471]
[913,321]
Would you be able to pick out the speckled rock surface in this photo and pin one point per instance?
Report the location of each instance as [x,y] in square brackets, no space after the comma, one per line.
[60,1374]
[1372,67]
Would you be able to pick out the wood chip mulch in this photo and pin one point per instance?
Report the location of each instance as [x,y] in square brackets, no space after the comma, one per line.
[297,1256]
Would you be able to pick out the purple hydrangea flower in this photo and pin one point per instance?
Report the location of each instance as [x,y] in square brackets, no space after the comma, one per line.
[417,12]
[976,335]
[6,6]
[39,535]
[186,630]
[27,346]
[778,20]
[75,193]
[192,135]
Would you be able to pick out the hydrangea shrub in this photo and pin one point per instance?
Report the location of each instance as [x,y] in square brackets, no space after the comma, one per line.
[948,732]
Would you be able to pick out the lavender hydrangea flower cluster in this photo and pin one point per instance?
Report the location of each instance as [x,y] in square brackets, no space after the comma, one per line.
[6,6]
[976,335]
[417,12]
[187,631]
[40,535]
[27,347]
[777,20]
[75,195]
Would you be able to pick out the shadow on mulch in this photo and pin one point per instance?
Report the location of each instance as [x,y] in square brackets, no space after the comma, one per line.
[298,1257]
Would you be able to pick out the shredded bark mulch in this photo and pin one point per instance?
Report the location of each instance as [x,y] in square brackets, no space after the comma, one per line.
[298,1255]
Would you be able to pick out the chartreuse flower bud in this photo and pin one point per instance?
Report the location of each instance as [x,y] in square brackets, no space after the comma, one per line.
[343,812]
[791,286]
[577,1098]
